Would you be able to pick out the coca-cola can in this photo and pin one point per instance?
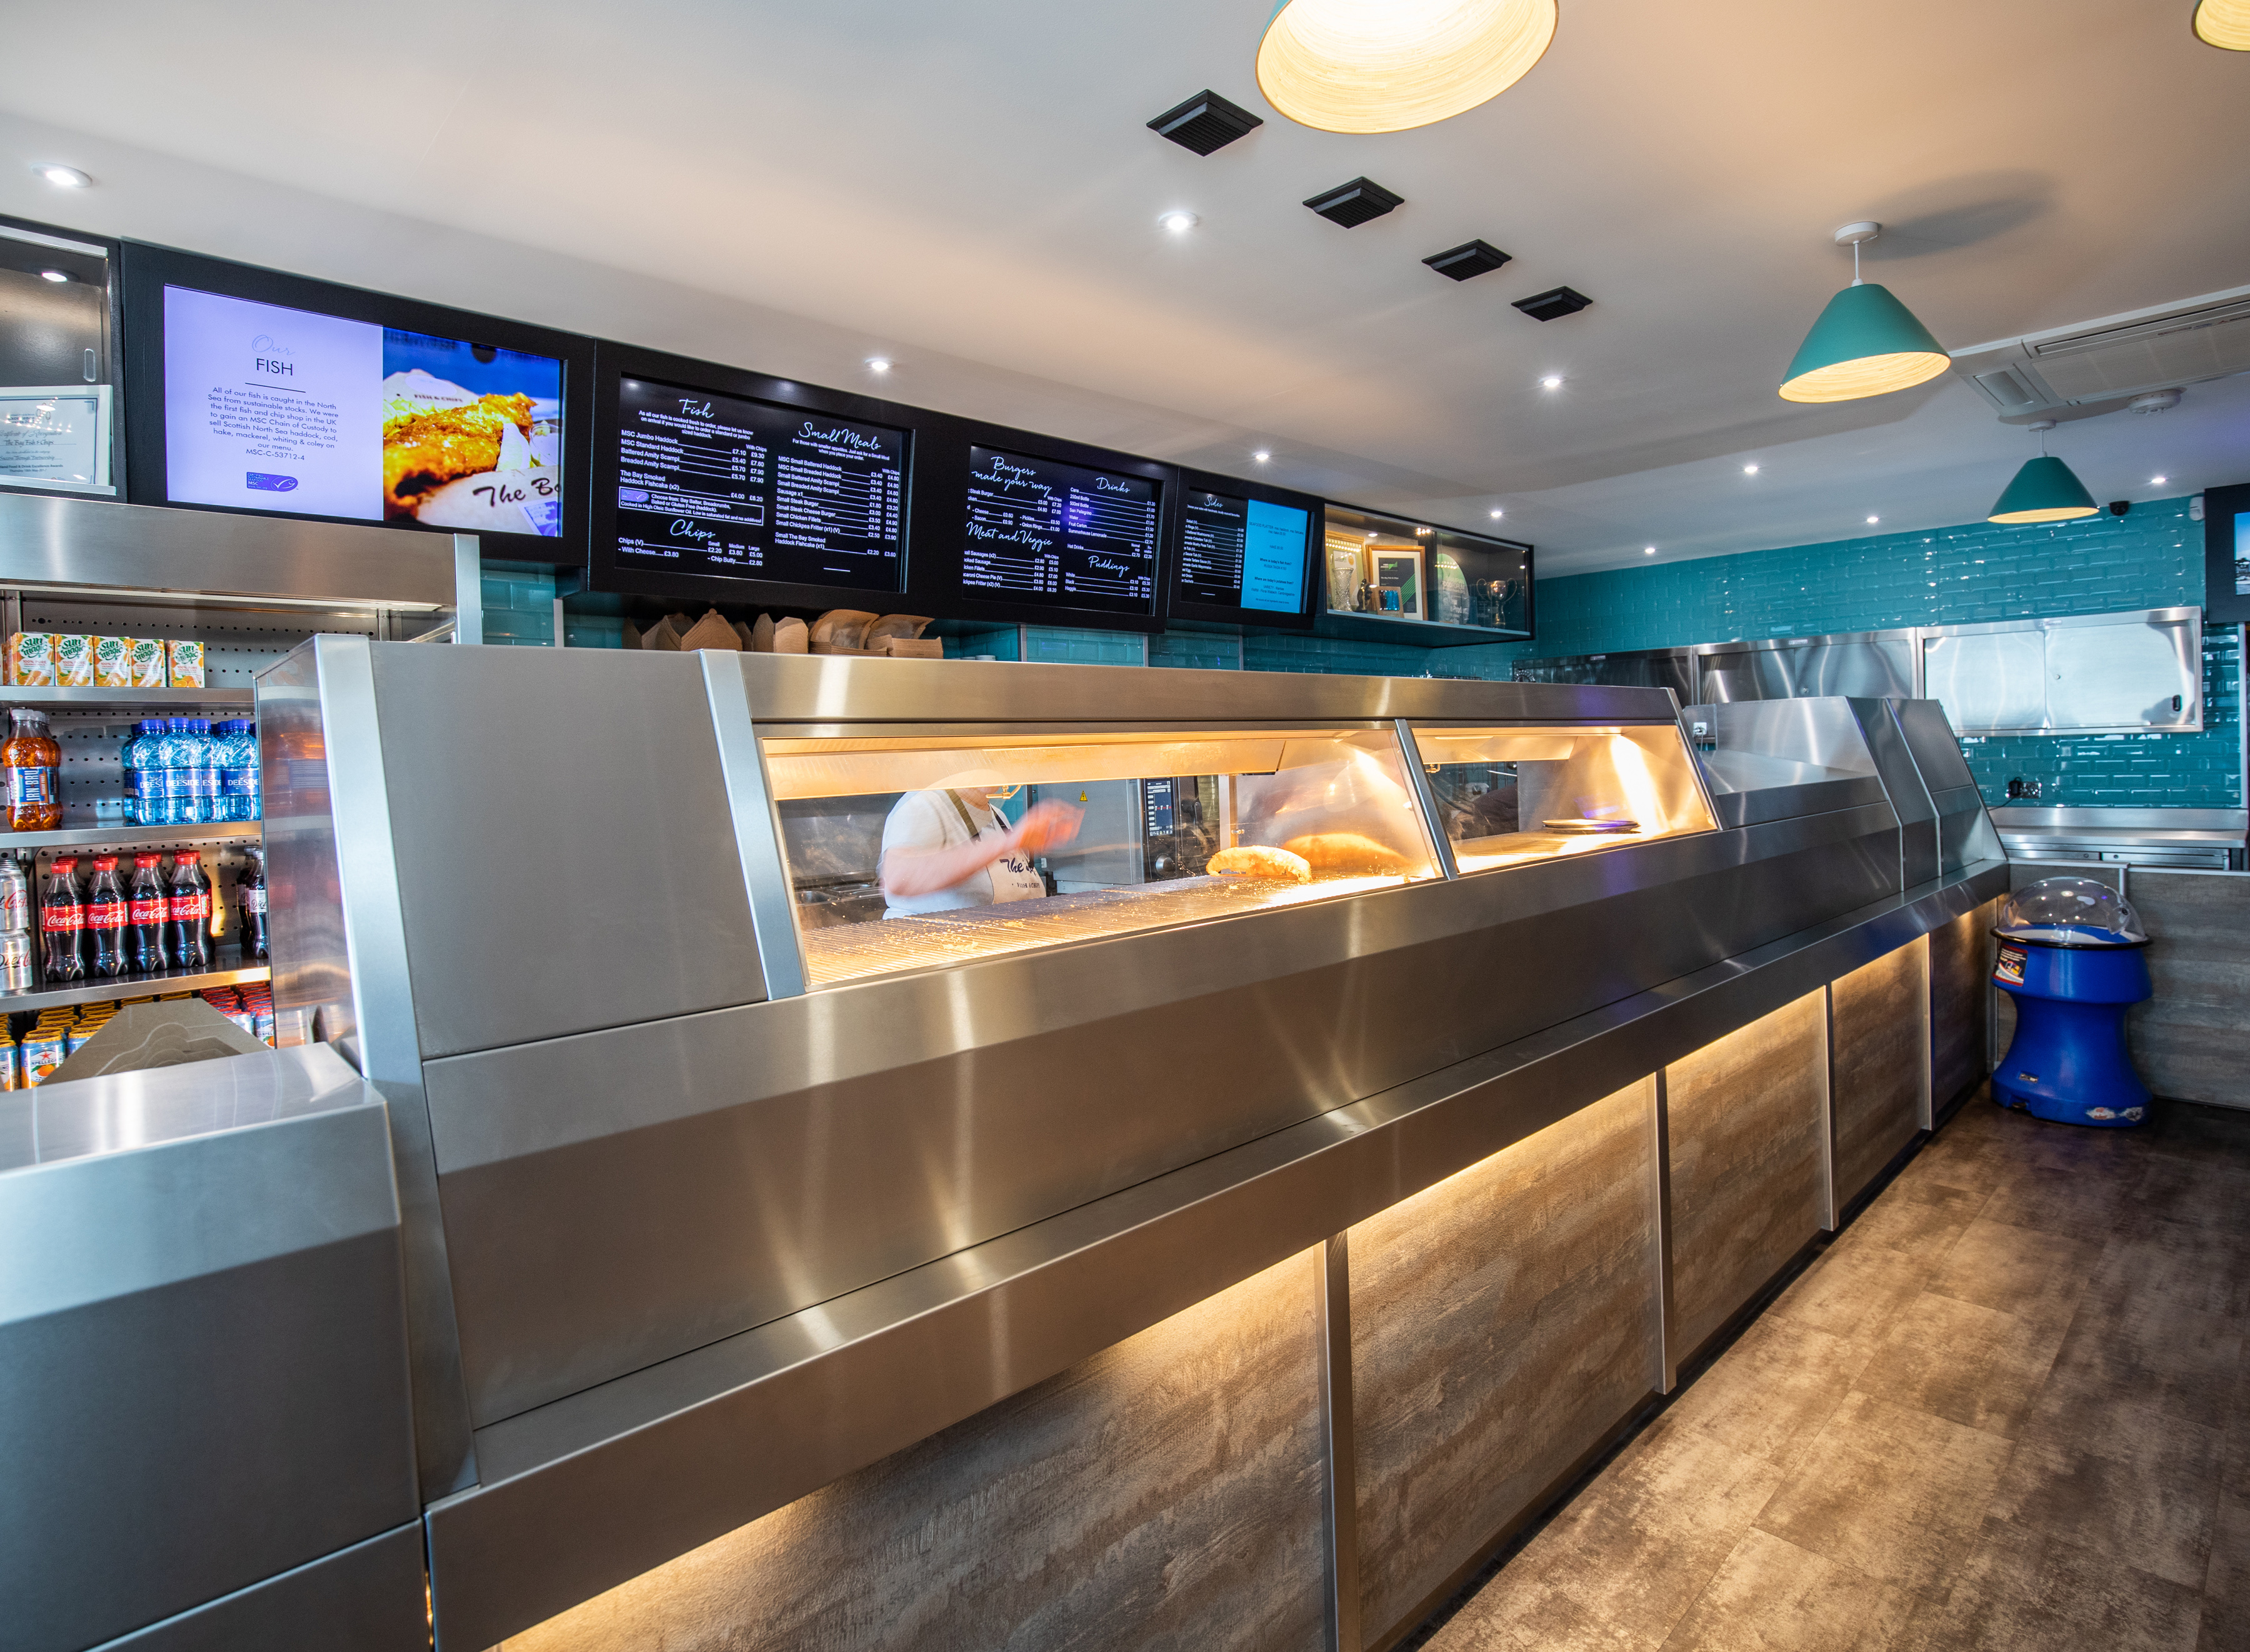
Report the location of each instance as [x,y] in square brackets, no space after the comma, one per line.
[15,963]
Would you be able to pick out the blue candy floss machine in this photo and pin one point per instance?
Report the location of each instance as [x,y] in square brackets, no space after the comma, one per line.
[2071,957]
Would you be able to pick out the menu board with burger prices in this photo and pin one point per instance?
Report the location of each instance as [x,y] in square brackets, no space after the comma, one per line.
[721,485]
[1041,530]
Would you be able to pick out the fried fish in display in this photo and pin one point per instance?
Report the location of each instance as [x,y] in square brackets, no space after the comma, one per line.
[423,451]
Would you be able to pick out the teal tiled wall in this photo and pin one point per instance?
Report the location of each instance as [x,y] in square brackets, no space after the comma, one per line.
[2151,558]
[519,604]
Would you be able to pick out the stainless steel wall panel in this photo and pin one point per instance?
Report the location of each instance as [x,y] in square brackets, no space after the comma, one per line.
[1919,859]
[203,1360]
[564,840]
[803,1147]
[369,1598]
[594,1488]
[1870,664]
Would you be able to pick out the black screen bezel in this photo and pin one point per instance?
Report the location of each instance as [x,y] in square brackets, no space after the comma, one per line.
[2220,506]
[147,271]
[614,362]
[1314,508]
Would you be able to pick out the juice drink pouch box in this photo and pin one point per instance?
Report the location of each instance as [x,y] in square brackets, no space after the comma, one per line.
[113,663]
[186,662]
[31,659]
[146,657]
[74,661]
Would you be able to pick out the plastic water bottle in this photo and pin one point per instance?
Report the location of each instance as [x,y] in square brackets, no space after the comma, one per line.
[175,767]
[209,758]
[138,758]
[237,746]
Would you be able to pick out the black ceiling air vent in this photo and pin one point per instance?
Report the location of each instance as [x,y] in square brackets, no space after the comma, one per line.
[1470,257]
[1355,203]
[1545,306]
[1204,122]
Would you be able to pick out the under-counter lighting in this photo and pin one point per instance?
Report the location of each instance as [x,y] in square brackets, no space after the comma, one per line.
[63,178]
[1179,223]
[53,275]
[1389,66]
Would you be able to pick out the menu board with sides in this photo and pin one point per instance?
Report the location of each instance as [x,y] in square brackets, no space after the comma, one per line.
[1039,530]
[1242,553]
[721,485]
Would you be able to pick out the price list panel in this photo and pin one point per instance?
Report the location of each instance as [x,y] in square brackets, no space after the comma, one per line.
[721,485]
[1039,530]
[1242,553]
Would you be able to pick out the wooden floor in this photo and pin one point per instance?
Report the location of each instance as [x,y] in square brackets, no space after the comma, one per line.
[2004,1409]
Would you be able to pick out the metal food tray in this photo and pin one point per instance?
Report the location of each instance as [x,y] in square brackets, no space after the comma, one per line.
[926,940]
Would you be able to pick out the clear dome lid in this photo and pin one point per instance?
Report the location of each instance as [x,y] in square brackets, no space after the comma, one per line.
[2071,912]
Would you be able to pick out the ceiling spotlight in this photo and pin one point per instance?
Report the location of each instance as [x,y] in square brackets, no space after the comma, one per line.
[1864,343]
[1497,515]
[1872,521]
[1262,455]
[1648,550]
[1377,65]
[1750,470]
[1179,223]
[1553,381]
[53,275]
[63,178]
[878,363]
[2158,481]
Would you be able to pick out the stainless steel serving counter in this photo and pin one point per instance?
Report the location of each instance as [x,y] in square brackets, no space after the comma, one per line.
[709,1197]
[2210,839]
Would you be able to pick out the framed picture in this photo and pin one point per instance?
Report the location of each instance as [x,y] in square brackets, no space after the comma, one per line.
[55,436]
[1399,583]
[2227,554]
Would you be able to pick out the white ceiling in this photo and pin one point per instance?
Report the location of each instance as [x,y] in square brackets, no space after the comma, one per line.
[968,186]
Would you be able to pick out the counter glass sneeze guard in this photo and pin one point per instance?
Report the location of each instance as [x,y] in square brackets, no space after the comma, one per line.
[1187,826]
[1160,809]
[1515,795]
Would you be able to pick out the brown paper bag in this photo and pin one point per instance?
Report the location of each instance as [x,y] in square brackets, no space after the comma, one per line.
[762,635]
[792,637]
[711,632]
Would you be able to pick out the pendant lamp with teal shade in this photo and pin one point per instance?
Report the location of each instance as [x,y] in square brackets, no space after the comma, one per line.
[2045,490]
[1864,343]
[2224,24]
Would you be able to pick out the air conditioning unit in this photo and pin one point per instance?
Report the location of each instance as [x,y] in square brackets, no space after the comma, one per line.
[2089,367]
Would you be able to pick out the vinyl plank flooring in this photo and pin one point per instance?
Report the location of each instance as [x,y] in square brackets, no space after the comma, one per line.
[2023,1591]
[1970,1365]
[1777,1597]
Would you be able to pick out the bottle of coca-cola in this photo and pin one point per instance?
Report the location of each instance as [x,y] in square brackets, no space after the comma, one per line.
[250,894]
[62,924]
[187,910]
[147,910]
[104,919]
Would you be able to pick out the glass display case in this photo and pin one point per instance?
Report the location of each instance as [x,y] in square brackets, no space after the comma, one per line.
[1505,797]
[1390,568]
[57,412]
[1170,827]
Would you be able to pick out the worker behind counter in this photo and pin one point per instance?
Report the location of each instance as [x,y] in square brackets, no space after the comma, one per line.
[948,847]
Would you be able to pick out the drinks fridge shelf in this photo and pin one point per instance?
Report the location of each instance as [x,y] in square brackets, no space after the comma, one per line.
[227,969]
[160,699]
[128,837]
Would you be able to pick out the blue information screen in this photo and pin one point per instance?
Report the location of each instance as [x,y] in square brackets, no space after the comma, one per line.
[1243,553]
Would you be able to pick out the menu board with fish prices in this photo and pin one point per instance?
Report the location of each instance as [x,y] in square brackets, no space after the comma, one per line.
[1243,553]
[1041,531]
[724,486]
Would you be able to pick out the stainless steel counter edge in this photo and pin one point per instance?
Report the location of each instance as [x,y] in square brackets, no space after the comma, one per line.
[581,1494]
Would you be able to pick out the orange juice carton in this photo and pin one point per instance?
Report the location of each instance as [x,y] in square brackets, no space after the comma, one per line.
[186,662]
[145,656]
[74,661]
[113,663]
[31,659]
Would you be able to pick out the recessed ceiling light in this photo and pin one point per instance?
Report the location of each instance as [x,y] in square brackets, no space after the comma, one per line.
[2157,482]
[63,178]
[1497,515]
[878,363]
[53,275]
[1648,550]
[1750,470]
[1553,381]
[1179,223]
[1262,455]
[1872,521]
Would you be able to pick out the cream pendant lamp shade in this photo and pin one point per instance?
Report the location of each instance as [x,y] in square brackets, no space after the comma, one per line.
[1387,65]
[2045,490]
[2224,23]
[1864,343]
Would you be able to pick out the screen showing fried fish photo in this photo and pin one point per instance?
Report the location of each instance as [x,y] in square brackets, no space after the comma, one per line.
[270,408]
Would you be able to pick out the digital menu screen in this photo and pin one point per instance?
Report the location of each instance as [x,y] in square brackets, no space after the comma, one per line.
[1243,553]
[1043,531]
[268,408]
[720,485]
